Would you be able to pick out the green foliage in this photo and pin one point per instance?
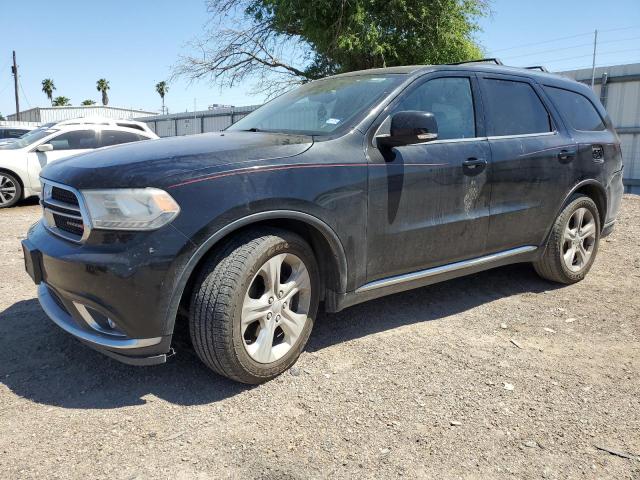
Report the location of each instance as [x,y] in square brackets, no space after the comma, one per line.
[61,102]
[162,88]
[1,117]
[360,34]
[87,103]
[281,42]
[48,87]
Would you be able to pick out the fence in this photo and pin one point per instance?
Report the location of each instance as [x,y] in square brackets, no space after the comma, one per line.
[190,123]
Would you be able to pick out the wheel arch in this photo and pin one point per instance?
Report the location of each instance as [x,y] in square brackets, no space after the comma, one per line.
[321,237]
[592,189]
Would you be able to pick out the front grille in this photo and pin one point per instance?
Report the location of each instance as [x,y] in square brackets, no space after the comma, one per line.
[64,196]
[62,212]
[69,224]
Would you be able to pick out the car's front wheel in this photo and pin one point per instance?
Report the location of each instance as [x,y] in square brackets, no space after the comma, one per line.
[573,243]
[10,190]
[253,305]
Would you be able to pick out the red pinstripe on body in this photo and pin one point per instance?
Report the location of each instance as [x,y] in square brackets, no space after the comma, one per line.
[257,169]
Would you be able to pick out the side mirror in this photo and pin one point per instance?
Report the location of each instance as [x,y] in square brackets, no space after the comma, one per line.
[410,127]
[45,147]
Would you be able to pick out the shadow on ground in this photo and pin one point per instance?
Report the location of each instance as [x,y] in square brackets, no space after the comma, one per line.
[41,363]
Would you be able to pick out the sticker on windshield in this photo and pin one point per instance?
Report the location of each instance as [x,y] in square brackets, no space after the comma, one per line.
[333,121]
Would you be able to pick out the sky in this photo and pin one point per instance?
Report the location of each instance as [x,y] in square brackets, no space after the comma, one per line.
[134,45]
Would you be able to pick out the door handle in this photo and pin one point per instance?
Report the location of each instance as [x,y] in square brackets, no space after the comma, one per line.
[473,166]
[566,155]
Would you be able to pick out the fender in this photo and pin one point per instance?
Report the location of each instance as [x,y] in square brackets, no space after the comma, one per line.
[328,233]
[583,183]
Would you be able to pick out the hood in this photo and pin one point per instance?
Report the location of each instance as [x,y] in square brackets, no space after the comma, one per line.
[157,163]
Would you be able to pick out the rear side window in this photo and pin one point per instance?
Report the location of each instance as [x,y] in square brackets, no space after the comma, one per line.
[514,108]
[576,109]
[76,140]
[115,137]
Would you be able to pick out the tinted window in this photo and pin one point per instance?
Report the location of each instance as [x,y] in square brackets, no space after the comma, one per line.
[514,108]
[115,137]
[576,109]
[13,133]
[76,140]
[451,102]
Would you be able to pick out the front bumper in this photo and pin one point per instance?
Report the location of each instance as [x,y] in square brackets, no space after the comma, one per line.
[111,295]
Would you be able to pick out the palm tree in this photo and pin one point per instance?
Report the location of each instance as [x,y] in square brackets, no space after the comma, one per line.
[162,88]
[48,87]
[86,103]
[102,86]
[61,102]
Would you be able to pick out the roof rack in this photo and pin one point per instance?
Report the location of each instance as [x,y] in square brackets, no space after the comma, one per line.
[537,67]
[497,61]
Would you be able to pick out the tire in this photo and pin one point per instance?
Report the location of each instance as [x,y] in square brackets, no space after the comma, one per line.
[563,261]
[237,284]
[10,190]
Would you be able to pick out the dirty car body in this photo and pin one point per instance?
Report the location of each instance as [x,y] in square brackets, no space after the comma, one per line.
[381,217]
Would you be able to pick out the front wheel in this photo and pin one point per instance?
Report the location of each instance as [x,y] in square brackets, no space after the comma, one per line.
[253,305]
[573,243]
[10,190]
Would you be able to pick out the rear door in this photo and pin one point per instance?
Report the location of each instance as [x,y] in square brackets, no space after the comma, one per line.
[429,202]
[532,155]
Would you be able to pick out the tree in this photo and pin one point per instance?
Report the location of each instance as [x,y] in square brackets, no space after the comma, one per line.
[102,86]
[1,117]
[283,42]
[61,102]
[86,103]
[48,87]
[162,88]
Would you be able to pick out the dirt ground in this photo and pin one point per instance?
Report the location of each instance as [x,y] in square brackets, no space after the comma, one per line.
[497,375]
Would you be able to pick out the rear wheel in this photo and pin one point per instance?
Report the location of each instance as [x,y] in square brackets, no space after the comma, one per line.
[254,304]
[10,190]
[573,243]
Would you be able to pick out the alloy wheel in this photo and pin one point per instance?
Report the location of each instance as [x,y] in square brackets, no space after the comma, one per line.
[8,189]
[275,308]
[579,239]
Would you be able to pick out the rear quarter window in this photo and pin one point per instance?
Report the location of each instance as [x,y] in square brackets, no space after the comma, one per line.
[576,109]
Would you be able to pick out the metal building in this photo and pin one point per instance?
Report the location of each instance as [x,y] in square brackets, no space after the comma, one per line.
[56,114]
[619,90]
[190,123]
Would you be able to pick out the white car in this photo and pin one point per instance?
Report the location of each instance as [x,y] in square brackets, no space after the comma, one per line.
[22,159]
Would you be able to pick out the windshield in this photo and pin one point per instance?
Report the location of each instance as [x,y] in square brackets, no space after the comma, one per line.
[29,138]
[320,107]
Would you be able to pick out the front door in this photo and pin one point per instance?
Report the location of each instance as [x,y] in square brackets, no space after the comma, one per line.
[429,202]
[64,145]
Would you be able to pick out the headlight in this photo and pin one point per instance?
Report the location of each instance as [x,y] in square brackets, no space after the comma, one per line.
[130,208]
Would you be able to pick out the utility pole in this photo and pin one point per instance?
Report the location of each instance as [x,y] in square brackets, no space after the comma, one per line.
[593,64]
[14,70]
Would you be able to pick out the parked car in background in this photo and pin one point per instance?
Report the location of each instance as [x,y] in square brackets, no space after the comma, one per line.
[22,159]
[12,133]
[341,191]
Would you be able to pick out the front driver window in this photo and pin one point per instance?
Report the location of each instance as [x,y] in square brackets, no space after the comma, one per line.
[76,140]
[451,102]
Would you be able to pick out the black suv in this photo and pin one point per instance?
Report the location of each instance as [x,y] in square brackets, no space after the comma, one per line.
[343,190]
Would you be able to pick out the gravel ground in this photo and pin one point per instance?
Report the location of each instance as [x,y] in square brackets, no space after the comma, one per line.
[497,375]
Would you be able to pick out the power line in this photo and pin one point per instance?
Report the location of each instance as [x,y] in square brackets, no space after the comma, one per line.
[590,55]
[573,46]
[553,40]
[24,94]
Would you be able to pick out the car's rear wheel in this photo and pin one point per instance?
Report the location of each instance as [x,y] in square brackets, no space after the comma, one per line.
[253,305]
[573,243]
[10,190]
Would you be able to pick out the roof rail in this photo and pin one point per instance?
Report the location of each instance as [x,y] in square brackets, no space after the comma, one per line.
[497,61]
[537,67]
